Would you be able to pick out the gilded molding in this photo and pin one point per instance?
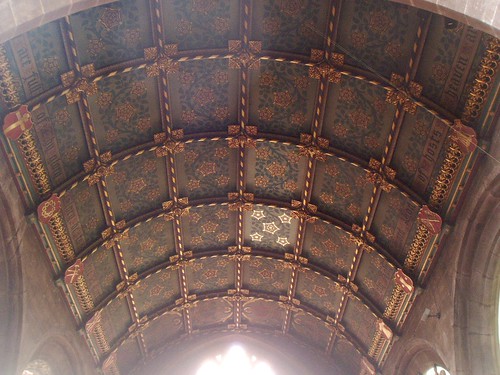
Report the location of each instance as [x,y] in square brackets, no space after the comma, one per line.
[172,143]
[74,276]
[403,93]
[367,368]
[245,56]
[17,127]
[483,81]
[240,137]
[462,140]
[33,160]
[62,240]
[7,85]
[79,85]
[313,148]
[305,212]
[382,336]
[395,303]
[243,202]
[161,61]
[429,225]
[49,212]
[109,367]
[94,327]
[98,168]
[176,209]
[452,160]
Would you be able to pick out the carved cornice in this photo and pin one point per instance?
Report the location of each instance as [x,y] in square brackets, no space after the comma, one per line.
[49,213]
[483,81]
[17,127]
[74,277]
[429,224]
[462,140]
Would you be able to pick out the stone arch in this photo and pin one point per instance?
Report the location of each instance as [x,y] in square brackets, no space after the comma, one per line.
[478,287]
[58,355]
[21,16]
[11,283]
[37,367]
[420,355]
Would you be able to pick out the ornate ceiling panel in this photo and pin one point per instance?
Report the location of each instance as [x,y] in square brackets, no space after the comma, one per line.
[267,168]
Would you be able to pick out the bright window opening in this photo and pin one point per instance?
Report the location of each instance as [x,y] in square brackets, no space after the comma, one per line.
[235,361]
[437,370]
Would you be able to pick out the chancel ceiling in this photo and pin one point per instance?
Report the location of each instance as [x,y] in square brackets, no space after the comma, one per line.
[258,167]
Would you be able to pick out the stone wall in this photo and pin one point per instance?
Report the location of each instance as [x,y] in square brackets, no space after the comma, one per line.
[35,321]
[464,286]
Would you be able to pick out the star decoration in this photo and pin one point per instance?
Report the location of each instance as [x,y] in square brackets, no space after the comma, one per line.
[285,219]
[283,241]
[256,237]
[258,214]
[270,228]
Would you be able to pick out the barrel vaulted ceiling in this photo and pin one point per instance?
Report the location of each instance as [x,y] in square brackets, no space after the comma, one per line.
[260,167]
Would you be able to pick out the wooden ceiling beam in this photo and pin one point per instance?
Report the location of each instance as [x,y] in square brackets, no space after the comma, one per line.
[383,166]
[220,296]
[92,144]
[138,150]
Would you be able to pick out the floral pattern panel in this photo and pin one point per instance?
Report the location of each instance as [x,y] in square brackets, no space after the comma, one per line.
[126,111]
[283,98]
[394,223]
[375,279]
[138,186]
[148,244]
[196,24]
[157,291]
[83,215]
[341,190]
[129,354]
[211,312]
[200,96]
[263,313]
[210,274]
[113,33]
[60,138]
[101,274]
[437,58]
[279,171]
[419,151]
[310,329]
[358,118]
[328,247]
[162,330]
[266,275]
[206,169]
[318,291]
[346,356]
[270,228]
[116,320]
[209,228]
[379,35]
[37,59]
[360,322]
[293,25]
